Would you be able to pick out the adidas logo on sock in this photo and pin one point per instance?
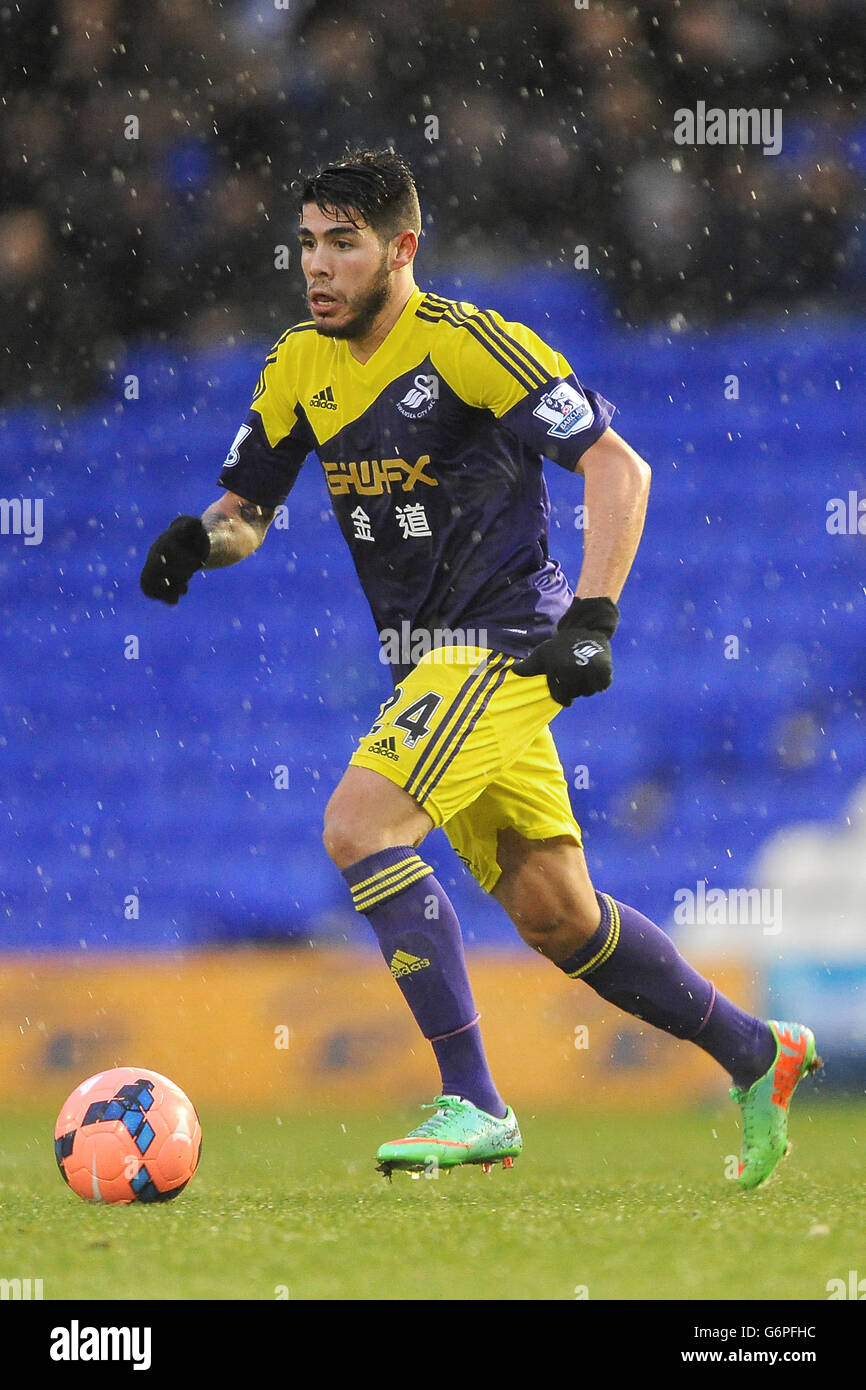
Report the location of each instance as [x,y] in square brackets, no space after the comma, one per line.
[404,964]
[387,747]
[324,399]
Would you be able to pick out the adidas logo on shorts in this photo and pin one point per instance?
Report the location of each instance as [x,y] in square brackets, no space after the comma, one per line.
[387,747]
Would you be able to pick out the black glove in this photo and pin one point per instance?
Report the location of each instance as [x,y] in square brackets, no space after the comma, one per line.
[576,660]
[174,558]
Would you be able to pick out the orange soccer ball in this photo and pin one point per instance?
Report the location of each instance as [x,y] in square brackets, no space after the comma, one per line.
[127,1135]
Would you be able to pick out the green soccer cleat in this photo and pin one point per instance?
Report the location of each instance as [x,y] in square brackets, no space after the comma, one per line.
[457,1133]
[765,1104]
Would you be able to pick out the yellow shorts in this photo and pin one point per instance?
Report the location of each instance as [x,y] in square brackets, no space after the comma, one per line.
[471,743]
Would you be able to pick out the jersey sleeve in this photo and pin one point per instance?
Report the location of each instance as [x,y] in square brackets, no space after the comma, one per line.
[269,448]
[507,369]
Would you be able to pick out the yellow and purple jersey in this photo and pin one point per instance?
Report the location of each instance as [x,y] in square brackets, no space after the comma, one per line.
[432,454]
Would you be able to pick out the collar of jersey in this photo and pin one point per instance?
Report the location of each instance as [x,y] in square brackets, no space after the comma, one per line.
[388,349]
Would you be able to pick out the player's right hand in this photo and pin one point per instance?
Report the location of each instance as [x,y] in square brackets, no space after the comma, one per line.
[576,659]
[174,558]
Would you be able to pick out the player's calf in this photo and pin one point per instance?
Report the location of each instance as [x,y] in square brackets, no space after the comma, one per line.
[633,964]
[419,936]
[546,890]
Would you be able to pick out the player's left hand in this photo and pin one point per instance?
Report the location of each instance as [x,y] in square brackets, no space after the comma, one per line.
[577,659]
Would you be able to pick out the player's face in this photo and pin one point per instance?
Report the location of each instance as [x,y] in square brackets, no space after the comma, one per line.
[347,273]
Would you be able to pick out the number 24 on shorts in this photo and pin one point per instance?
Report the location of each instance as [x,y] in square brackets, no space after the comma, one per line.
[415,720]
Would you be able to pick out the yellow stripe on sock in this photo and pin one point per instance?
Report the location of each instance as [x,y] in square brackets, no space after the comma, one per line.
[375,896]
[609,946]
[384,873]
[388,875]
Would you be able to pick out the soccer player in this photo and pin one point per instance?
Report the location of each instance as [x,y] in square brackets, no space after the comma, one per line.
[430,418]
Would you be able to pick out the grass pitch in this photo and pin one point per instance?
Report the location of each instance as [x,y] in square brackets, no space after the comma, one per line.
[633,1207]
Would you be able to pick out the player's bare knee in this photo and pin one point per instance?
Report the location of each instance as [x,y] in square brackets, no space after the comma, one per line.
[345,840]
[350,833]
[368,813]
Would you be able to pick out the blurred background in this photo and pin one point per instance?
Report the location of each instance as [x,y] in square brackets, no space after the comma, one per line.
[165,771]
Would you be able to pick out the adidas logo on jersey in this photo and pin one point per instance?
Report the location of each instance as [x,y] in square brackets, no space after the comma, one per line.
[324,399]
[402,963]
[387,747]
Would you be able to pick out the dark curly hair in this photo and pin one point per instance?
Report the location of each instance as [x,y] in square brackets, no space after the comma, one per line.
[373,188]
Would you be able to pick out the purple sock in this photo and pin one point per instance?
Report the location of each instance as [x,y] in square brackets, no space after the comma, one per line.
[632,963]
[420,938]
